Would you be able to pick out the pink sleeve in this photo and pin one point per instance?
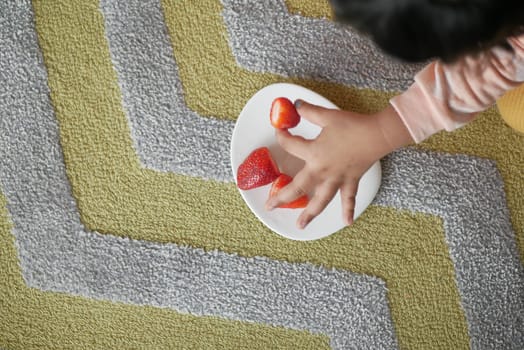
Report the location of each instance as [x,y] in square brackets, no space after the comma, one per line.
[445,97]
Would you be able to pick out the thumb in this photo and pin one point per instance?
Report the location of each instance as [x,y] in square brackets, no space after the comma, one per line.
[315,114]
[293,144]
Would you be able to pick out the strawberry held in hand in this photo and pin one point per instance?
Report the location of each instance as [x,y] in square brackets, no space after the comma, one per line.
[283,114]
[258,169]
[278,184]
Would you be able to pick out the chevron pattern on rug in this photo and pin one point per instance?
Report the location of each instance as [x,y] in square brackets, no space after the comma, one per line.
[122,228]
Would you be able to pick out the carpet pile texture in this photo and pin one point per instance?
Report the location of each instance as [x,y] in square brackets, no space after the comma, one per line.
[121,226]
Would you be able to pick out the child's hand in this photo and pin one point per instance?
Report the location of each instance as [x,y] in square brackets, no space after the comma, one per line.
[345,149]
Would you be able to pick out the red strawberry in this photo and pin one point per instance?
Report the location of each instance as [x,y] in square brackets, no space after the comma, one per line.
[283,114]
[258,169]
[281,181]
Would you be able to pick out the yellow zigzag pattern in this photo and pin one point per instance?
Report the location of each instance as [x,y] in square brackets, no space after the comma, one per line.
[116,196]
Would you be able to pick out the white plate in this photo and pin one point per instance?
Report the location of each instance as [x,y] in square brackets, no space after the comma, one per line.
[253,130]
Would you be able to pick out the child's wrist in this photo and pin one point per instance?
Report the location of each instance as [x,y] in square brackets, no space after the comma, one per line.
[395,133]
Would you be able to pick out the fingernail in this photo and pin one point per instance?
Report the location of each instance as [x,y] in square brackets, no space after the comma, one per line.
[270,206]
[298,103]
[302,223]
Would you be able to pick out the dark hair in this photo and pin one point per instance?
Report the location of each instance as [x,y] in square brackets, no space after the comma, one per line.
[417,30]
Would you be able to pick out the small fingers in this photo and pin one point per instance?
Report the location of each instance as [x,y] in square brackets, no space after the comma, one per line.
[295,145]
[348,192]
[323,195]
[301,185]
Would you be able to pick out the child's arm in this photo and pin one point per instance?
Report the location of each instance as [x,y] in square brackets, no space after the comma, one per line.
[442,97]
[445,97]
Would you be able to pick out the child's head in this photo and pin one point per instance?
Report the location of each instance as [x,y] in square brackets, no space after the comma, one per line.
[416,30]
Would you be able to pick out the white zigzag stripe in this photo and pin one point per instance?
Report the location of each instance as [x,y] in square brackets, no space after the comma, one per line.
[168,136]
[462,190]
[265,37]
[57,253]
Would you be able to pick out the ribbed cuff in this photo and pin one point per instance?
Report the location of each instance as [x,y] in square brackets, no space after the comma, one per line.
[417,114]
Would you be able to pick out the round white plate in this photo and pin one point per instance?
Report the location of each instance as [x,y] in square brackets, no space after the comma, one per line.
[253,130]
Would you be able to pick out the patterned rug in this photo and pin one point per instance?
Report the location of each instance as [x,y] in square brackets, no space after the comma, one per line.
[121,227]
